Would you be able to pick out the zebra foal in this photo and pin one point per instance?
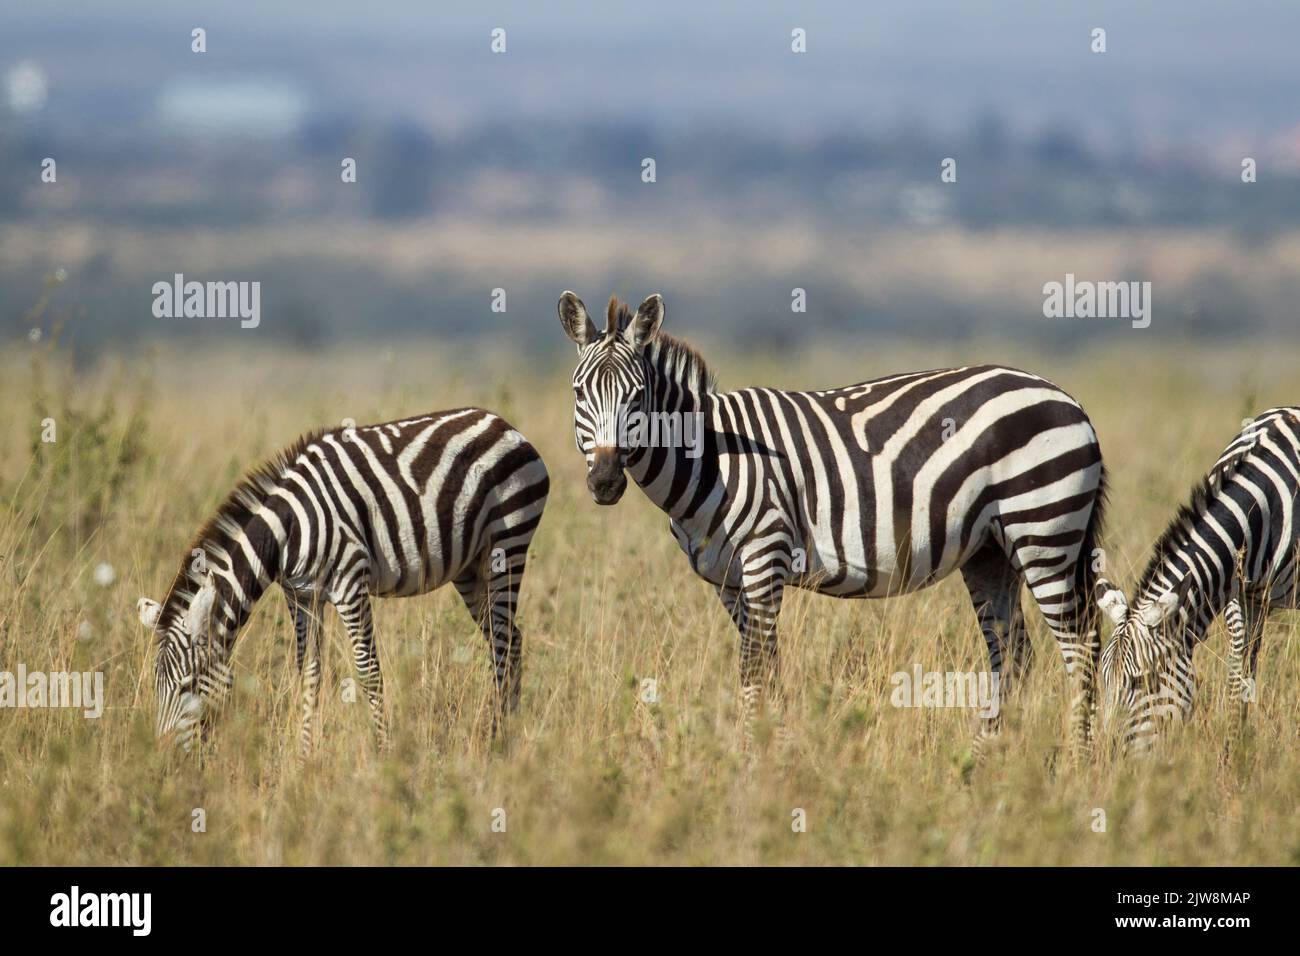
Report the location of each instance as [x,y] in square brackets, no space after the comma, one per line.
[388,510]
[866,491]
[1232,549]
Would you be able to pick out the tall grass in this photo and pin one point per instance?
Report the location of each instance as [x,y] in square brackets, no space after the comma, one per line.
[590,773]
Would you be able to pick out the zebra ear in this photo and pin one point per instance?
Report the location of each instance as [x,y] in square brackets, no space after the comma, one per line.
[200,609]
[574,319]
[1111,600]
[649,316]
[148,611]
[1162,607]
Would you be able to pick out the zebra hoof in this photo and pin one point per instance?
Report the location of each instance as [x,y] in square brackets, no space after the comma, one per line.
[1247,693]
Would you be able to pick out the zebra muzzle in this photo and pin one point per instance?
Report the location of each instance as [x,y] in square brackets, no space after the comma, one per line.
[605,479]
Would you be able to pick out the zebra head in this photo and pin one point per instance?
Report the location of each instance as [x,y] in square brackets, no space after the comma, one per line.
[190,668]
[609,384]
[1146,667]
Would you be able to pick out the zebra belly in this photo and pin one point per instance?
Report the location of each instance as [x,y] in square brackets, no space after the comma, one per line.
[820,567]
[828,574]
[405,562]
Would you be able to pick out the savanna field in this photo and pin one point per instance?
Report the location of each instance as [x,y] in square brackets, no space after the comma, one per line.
[148,443]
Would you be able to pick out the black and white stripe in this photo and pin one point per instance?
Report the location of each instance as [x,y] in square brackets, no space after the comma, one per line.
[866,491]
[1231,550]
[387,510]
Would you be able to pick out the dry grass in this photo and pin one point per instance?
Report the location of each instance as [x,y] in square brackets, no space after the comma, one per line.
[590,775]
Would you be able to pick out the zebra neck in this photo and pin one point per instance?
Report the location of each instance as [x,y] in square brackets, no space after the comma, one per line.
[1207,594]
[246,560]
[676,465]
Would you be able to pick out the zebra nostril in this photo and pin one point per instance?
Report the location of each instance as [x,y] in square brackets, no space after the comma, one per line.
[607,489]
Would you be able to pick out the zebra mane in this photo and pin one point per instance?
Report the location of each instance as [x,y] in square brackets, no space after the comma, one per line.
[247,495]
[665,352]
[1185,520]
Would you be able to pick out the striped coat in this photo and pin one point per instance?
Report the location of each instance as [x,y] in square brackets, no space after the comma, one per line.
[388,510]
[866,491]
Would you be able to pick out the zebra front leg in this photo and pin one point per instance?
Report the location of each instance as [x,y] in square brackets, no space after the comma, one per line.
[1245,623]
[1245,619]
[1238,688]
[1256,614]
[309,628]
[734,601]
[763,578]
[354,608]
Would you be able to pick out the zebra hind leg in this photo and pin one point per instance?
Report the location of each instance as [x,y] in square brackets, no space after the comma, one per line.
[1067,608]
[994,587]
[491,594]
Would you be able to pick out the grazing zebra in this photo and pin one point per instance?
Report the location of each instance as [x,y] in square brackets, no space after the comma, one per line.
[1232,549]
[872,490]
[391,510]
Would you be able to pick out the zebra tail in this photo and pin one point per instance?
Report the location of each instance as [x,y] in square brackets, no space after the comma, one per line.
[1085,578]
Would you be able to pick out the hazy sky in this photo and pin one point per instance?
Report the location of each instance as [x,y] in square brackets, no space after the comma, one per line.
[1173,68]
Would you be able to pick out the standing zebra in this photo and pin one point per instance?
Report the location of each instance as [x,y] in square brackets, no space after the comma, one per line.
[867,491]
[1232,549]
[391,510]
